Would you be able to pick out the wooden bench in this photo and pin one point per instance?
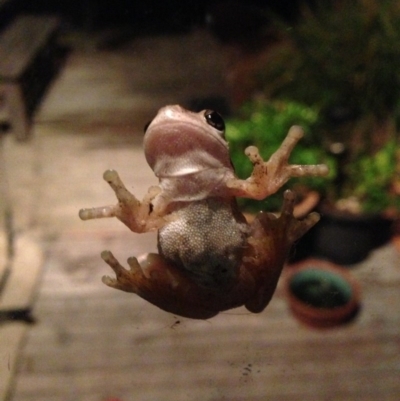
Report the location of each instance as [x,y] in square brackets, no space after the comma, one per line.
[17,293]
[28,61]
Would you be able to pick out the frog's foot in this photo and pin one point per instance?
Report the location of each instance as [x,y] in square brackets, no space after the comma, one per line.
[136,215]
[268,177]
[270,242]
[159,283]
[125,279]
[294,228]
[283,230]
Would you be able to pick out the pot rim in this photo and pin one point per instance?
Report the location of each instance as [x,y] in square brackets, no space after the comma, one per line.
[314,314]
[328,210]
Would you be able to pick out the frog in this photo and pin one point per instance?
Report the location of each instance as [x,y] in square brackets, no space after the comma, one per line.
[210,257]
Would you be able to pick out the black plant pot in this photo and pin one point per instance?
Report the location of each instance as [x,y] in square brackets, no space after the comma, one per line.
[346,238]
[302,248]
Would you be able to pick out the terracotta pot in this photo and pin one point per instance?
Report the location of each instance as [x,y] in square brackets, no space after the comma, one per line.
[308,204]
[321,294]
[396,242]
[396,231]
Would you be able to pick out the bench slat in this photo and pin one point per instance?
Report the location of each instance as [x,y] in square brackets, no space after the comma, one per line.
[20,41]
[12,335]
[20,288]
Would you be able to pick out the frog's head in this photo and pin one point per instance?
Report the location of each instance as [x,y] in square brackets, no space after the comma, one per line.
[178,142]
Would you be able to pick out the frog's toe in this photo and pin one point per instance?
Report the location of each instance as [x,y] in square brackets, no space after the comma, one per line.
[125,279]
[289,199]
[308,170]
[110,260]
[300,227]
[111,176]
[97,212]
[295,228]
[110,282]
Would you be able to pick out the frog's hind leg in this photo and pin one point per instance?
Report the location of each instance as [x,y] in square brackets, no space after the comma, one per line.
[158,282]
[271,239]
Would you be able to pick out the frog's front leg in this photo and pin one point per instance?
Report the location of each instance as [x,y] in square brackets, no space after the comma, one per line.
[268,177]
[138,216]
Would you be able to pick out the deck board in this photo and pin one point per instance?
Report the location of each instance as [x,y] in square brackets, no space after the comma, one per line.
[102,342]
[12,335]
[25,270]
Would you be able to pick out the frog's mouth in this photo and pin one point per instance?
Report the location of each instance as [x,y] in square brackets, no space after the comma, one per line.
[184,146]
[183,128]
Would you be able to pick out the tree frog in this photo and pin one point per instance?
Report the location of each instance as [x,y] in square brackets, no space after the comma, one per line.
[210,258]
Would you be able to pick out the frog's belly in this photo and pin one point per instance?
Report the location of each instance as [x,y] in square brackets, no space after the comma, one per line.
[205,239]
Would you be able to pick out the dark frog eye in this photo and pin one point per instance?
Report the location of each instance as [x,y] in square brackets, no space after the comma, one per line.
[215,120]
[146,126]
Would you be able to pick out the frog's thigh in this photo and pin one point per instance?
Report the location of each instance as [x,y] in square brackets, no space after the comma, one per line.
[160,283]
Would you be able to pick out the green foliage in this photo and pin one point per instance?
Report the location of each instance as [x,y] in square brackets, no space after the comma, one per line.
[371,179]
[265,125]
[345,55]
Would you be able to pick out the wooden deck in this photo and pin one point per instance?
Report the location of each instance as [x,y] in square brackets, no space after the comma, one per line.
[92,343]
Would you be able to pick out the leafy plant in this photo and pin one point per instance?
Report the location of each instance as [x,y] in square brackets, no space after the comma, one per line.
[265,125]
[343,59]
[371,180]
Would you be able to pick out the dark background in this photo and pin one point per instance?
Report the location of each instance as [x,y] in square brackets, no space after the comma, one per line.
[228,18]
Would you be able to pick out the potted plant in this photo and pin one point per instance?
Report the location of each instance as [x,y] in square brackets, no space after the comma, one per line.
[342,59]
[321,294]
[358,212]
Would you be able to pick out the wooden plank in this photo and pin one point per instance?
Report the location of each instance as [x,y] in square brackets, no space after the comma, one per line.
[11,335]
[5,215]
[112,344]
[172,383]
[21,41]
[26,267]
[15,110]
[4,267]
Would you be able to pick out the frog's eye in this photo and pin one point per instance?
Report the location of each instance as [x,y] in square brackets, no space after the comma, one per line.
[146,126]
[215,120]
